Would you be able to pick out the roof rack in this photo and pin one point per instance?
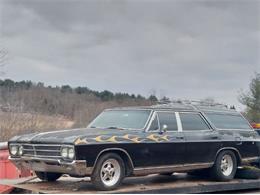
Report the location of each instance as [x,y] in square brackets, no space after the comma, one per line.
[193,105]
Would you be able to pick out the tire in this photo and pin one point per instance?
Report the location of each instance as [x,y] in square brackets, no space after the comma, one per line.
[105,178]
[225,166]
[47,176]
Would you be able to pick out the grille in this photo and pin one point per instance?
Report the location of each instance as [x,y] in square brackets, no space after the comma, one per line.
[40,150]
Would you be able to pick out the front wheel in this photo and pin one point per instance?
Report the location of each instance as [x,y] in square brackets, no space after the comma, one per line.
[47,176]
[108,172]
[225,166]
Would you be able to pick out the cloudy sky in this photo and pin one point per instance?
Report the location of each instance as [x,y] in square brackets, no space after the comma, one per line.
[181,49]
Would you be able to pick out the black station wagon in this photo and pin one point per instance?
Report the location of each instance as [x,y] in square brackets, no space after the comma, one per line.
[135,141]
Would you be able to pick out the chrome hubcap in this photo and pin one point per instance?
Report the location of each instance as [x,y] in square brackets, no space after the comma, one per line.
[110,172]
[226,165]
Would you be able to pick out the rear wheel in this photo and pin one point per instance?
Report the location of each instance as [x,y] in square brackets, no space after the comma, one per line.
[47,176]
[108,172]
[225,166]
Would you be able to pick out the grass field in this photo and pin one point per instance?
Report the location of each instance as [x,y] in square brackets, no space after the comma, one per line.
[12,124]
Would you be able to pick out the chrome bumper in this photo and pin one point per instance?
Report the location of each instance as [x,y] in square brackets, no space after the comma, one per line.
[76,167]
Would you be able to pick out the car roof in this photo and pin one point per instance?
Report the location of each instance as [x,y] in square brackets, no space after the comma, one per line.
[178,107]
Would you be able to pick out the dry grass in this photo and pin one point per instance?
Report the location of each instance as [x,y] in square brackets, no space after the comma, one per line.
[12,124]
[18,123]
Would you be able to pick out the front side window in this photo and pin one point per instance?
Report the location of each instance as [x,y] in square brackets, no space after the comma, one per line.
[192,121]
[124,119]
[228,121]
[169,119]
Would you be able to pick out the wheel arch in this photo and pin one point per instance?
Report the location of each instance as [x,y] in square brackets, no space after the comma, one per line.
[123,154]
[236,152]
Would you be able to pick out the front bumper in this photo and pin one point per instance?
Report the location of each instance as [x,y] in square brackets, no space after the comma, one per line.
[75,167]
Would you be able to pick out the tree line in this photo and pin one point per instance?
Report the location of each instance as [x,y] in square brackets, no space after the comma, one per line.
[27,96]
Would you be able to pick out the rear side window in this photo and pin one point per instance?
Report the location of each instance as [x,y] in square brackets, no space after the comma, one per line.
[192,121]
[228,121]
[169,119]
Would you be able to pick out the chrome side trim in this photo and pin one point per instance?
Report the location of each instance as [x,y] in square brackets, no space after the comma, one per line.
[250,159]
[171,168]
[114,149]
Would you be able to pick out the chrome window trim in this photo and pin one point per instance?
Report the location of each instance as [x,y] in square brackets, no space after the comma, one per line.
[150,123]
[179,123]
[156,112]
[144,128]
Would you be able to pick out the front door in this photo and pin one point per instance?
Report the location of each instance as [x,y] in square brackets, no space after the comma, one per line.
[166,145]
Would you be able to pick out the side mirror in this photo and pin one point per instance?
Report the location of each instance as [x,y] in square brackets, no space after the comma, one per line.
[163,129]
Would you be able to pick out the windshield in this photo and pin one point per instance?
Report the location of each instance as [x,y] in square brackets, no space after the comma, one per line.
[121,119]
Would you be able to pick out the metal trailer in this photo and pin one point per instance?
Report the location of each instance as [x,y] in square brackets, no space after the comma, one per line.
[177,183]
[8,170]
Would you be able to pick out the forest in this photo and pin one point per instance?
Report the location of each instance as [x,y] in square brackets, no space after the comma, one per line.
[26,107]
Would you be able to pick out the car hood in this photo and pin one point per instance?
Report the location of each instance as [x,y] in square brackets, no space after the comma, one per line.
[65,136]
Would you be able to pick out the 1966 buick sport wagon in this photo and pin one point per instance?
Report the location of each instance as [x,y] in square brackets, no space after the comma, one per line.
[130,141]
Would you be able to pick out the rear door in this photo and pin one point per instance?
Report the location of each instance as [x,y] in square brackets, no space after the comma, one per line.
[202,141]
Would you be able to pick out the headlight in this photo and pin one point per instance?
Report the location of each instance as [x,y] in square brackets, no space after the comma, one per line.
[20,150]
[64,152]
[71,153]
[14,149]
[67,152]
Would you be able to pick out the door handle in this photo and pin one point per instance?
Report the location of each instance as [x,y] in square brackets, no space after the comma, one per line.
[179,137]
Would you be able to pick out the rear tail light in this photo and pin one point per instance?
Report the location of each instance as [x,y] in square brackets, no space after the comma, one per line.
[256,125]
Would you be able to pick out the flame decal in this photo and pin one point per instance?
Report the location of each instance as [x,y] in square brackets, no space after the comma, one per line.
[166,138]
[153,137]
[127,137]
[157,138]
[80,141]
[112,139]
[135,139]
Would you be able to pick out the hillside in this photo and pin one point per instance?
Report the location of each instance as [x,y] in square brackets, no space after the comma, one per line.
[28,107]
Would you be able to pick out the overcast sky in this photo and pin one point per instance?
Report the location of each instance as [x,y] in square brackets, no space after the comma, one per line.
[181,49]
